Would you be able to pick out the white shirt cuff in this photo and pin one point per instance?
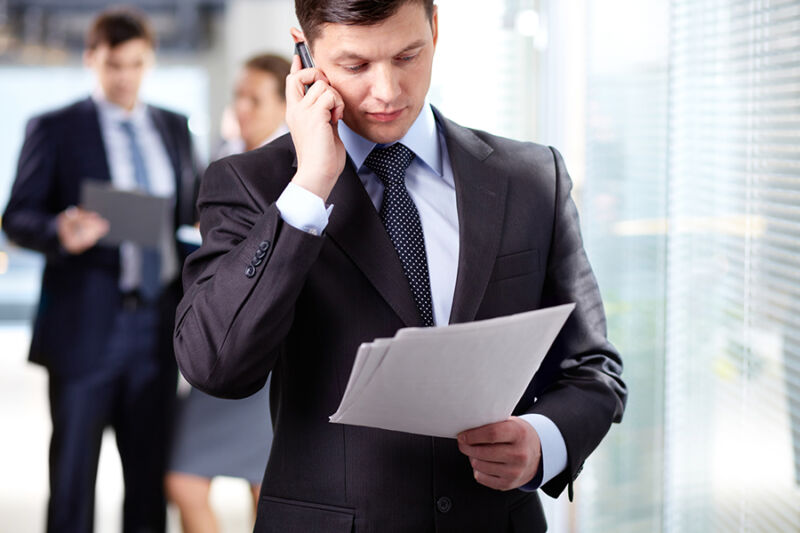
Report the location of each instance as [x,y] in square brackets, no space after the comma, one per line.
[554,450]
[303,209]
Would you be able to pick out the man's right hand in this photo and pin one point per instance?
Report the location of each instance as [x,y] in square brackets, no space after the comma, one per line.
[312,118]
[78,229]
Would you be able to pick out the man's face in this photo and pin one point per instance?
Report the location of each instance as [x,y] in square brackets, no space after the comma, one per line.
[258,106]
[382,71]
[120,70]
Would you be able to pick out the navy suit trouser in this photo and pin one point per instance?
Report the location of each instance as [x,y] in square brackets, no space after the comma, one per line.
[131,391]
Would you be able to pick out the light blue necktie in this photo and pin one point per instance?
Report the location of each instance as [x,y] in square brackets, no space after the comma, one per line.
[150,284]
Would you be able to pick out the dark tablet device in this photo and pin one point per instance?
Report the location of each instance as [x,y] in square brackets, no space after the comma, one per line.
[132,215]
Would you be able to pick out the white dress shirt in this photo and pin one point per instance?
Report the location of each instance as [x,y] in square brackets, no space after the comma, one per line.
[430,183]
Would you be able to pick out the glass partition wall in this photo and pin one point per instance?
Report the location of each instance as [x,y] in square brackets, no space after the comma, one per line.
[691,219]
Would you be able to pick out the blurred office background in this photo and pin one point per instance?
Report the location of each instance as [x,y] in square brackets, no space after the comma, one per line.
[680,124]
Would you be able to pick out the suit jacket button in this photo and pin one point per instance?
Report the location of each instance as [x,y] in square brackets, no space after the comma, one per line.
[444,504]
[256,261]
[261,254]
[263,246]
[250,271]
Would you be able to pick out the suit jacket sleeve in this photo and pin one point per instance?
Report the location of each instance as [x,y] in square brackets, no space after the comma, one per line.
[231,322]
[579,387]
[30,216]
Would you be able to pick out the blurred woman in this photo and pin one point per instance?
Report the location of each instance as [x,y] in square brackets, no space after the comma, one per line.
[259,104]
[216,437]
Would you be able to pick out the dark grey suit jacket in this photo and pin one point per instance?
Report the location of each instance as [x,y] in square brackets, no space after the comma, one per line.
[302,306]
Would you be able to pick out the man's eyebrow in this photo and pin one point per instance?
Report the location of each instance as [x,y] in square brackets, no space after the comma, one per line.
[354,56]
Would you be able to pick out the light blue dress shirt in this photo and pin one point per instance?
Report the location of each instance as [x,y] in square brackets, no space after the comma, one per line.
[160,175]
[430,183]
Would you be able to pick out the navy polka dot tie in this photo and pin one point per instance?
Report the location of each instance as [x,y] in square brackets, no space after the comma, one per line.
[401,219]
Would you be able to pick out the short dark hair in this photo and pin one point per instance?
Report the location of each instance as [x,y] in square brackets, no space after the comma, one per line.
[271,64]
[115,26]
[313,13]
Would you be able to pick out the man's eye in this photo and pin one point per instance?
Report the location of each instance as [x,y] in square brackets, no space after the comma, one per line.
[356,68]
[408,58]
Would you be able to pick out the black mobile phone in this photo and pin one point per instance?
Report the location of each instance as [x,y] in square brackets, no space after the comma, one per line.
[305,57]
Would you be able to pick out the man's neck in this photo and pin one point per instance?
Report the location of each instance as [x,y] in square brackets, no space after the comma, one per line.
[125,107]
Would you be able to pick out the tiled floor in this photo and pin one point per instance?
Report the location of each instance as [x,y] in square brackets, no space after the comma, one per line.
[24,440]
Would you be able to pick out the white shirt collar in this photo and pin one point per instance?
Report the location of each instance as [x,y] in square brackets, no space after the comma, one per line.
[422,138]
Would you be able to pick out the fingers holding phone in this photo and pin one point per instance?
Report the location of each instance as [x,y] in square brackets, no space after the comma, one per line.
[312,117]
[305,86]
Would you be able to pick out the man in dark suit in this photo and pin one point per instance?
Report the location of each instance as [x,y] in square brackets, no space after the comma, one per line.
[347,231]
[104,323]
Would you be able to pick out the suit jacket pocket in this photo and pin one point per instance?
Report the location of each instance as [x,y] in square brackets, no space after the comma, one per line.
[516,264]
[279,515]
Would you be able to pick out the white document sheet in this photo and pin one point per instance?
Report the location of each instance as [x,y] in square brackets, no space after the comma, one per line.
[442,381]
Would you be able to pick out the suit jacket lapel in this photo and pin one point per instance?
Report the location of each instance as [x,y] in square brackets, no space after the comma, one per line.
[183,173]
[357,228]
[169,143]
[480,199]
[94,137]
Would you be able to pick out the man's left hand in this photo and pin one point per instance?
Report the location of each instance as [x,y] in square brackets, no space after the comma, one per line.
[504,455]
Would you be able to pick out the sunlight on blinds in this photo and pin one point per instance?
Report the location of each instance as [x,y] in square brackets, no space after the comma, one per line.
[626,183]
[733,349]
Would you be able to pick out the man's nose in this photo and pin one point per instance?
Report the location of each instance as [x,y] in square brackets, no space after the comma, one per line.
[385,84]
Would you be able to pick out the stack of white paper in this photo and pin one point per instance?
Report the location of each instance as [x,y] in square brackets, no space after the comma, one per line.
[441,381]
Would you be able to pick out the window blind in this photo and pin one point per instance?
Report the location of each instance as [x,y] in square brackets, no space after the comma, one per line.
[732,435]
[623,211]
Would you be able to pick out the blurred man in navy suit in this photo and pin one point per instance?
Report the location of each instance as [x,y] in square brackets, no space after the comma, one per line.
[104,321]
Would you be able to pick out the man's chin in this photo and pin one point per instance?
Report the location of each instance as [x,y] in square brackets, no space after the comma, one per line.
[384,133]
[126,101]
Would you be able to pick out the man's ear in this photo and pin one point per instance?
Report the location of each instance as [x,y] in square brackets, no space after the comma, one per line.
[298,35]
[88,58]
[435,24]
[150,59]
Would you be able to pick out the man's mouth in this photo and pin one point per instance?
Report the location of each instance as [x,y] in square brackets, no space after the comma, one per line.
[385,116]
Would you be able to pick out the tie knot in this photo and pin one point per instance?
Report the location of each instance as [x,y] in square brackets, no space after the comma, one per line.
[127,127]
[390,163]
